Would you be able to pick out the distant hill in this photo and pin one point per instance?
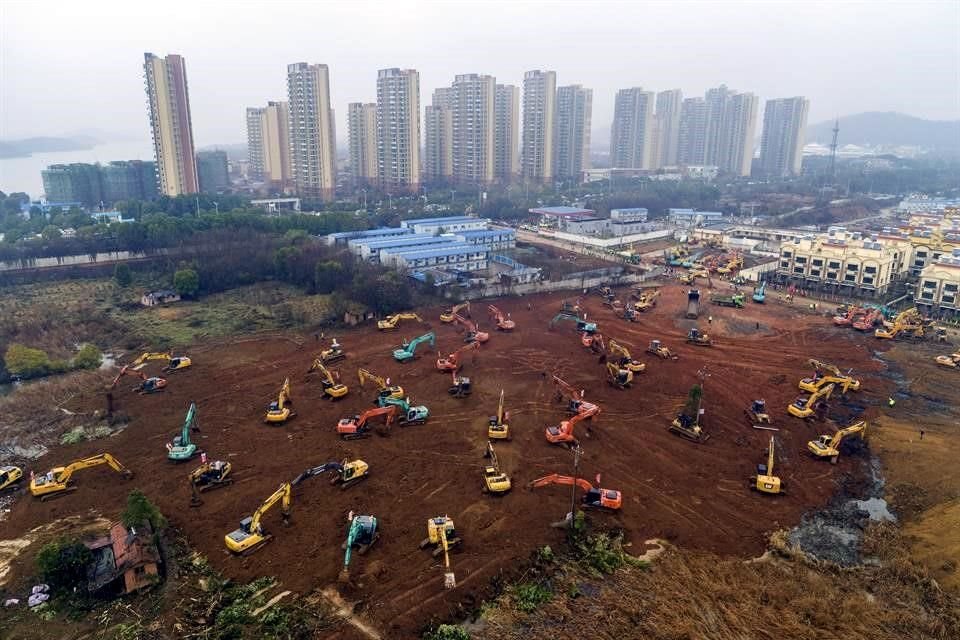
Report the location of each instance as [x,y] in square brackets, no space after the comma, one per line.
[28,146]
[890,129]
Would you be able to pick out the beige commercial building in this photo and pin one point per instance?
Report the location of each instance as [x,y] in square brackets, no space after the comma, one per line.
[268,144]
[842,263]
[312,154]
[506,134]
[539,113]
[938,290]
[571,142]
[632,133]
[781,145]
[170,124]
[398,130]
[362,121]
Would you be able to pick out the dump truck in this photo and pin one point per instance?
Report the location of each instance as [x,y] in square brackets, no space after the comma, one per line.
[693,303]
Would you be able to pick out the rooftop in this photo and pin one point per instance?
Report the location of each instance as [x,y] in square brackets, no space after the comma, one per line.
[443,220]
[399,241]
[562,211]
[485,233]
[372,233]
[438,252]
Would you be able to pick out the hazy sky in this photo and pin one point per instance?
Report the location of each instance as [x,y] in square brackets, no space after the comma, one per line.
[69,66]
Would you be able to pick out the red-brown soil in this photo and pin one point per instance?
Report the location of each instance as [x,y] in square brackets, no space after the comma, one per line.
[694,495]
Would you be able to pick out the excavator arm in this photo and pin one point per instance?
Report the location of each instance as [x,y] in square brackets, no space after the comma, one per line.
[316,471]
[281,495]
[858,427]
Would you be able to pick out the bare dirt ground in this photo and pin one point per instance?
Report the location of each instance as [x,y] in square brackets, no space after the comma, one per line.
[694,495]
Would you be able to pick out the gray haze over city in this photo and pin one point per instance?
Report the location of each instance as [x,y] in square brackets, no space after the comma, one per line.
[72,67]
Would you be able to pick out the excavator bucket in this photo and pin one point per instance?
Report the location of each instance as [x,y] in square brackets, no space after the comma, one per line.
[344,577]
[449,580]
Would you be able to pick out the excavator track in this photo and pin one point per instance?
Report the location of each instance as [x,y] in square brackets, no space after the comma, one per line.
[57,494]
[266,540]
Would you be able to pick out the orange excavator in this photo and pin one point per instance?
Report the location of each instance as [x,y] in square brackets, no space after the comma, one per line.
[504,323]
[867,322]
[847,319]
[593,497]
[473,334]
[360,426]
[575,401]
[593,341]
[147,385]
[452,361]
[564,433]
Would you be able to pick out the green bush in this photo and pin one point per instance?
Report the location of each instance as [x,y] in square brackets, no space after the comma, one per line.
[63,563]
[447,632]
[26,362]
[140,509]
[528,596]
[186,282]
[89,357]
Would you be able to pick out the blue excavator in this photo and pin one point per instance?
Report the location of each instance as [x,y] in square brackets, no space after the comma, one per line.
[758,294]
[409,414]
[182,448]
[408,350]
[362,534]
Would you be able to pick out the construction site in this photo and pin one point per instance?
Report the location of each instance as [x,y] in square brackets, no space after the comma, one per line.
[663,410]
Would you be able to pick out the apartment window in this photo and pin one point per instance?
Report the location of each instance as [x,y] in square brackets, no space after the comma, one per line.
[801,260]
[833,265]
[927,295]
[853,267]
[817,262]
[867,280]
[952,288]
[850,277]
[918,263]
[929,284]
[785,264]
[815,273]
[947,299]
[787,254]
[798,269]
[869,269]
[921,254]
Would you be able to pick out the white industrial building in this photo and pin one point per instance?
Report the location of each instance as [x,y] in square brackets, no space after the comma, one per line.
[454,257]
[450,224]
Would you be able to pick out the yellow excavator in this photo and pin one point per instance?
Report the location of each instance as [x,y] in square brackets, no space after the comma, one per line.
[278,412]
[333,353]
[618,377]
[10,478]
[442,535]
[211,475]
[623,357]
[56,482]
[757,412]
[833,375]
[390,322]
[827,446]
[648,300]
[447,316]
[174,363]
[251,535]
[661,351]
[384,390]
[765,481]
[952,361]
[331,387]
[806,406]
[497,428]
[908,322]
[495,481]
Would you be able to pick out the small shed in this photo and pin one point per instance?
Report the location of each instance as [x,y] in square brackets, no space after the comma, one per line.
[125,560]
[164,296]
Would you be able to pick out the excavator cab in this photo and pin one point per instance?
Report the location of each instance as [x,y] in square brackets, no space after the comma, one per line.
[461,387]
[177,363]
[602,498]
[152,385]
[440,526]
[758,412]
[10,477]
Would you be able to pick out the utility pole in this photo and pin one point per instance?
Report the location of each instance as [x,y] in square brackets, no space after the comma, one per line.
[833,150]
[577,452]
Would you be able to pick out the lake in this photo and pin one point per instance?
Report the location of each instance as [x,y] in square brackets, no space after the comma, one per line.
[23,174]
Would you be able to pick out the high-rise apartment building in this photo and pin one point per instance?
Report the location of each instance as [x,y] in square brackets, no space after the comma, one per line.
[506,133]
[716,100]
[94,184]
[398,129]
[268,144]
[631,134]
[438,138]
[781,144]
[312,153]
[571,146]
[213,171]
[171,127]
[735,146]
[362,125]
[539,112]
[473,98]
[692,138]
[667,120]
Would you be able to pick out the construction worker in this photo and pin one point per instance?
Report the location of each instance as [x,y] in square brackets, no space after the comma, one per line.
[891,401]
[709,319]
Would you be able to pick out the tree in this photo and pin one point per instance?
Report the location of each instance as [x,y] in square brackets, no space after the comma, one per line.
[89,357]
[51,232]
[329,274]
[139,510]
[186,282]
[25,362]
[121,273]
[63,563]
